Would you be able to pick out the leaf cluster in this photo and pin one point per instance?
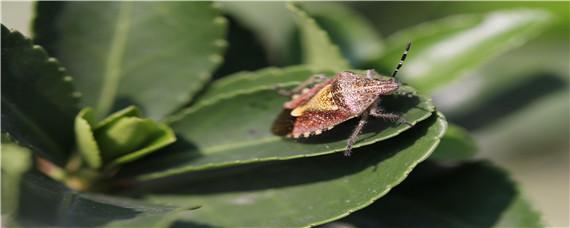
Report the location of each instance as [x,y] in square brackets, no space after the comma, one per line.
[139,118]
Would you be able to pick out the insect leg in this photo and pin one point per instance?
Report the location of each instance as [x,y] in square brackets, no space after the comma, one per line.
[312,80]
[379,113]
[355,133]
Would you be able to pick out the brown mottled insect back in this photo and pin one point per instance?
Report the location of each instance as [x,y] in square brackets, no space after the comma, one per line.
[332,101]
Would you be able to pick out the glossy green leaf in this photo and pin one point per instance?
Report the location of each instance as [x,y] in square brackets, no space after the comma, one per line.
[48,203]
[16,160]
[155,55]
[444,49]
[304,192]
[356,37]
[317,47]
[236,128]
[472,195]
[38,100]
[457,144]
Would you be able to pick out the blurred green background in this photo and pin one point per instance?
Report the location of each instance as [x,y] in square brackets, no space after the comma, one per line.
[517,105]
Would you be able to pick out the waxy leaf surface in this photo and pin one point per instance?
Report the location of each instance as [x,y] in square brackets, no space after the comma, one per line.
[38,100]
[234,129]
[302,192]
[445,49]
[155,55]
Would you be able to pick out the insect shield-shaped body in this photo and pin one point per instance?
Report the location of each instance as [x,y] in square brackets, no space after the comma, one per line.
[334,101]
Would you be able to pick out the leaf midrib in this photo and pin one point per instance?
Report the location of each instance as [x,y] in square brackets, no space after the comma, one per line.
[112,70]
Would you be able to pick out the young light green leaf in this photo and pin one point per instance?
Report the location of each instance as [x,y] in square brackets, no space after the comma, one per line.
[16,160]
[144,53]
[242,126]
[119,138]
[49,203]
[158,136]
[355,36]
[304,192]
[472,195]
[38,100]
[318,49]
[445,49]
[86,143]
[457,144]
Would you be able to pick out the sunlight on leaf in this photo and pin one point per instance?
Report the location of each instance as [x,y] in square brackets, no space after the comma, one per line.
[444,49]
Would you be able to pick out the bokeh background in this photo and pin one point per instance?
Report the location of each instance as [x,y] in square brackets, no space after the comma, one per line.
[517,105]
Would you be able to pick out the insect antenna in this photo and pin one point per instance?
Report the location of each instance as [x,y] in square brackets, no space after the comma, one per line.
[404,55]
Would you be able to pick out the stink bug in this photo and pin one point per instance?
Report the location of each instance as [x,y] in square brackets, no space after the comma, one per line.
[332,101]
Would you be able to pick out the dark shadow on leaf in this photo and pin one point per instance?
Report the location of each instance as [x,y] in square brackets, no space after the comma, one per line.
[473,194]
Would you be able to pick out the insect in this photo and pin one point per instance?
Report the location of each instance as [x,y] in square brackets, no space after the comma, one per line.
[332,101]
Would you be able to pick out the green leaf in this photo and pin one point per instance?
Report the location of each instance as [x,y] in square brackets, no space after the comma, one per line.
[303,192]
[155,55]
[444,49]
[318,49]
[150,135]
[457,144]
[151,220]
[38,100]
[236,128]
[355,36]
[267,78]
[86,143]
[16,160]
[49,203]
[472,195]
[122,137]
